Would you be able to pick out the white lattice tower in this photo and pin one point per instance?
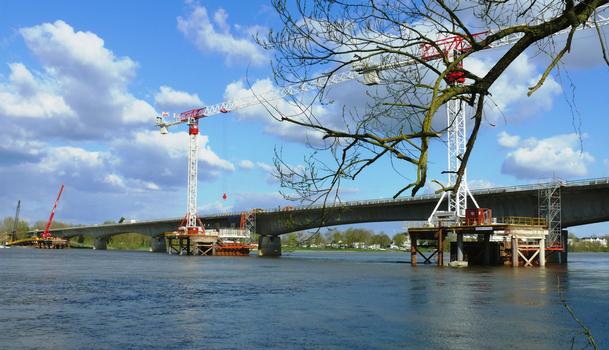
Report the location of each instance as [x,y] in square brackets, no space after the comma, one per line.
[193,165]
[456,141]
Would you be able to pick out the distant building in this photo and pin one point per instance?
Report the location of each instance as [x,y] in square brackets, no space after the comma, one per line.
[360,245]
[598,240]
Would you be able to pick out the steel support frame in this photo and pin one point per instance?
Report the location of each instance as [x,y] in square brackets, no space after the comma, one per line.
[549,207]
[456,142]
[193,162]
[519,248]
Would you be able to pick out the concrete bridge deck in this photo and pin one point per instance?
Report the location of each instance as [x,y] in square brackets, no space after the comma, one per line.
[583,202]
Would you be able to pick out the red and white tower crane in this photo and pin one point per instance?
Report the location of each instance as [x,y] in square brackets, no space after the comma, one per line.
[449,47]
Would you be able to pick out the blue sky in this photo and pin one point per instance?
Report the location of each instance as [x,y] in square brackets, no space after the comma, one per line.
[80,85]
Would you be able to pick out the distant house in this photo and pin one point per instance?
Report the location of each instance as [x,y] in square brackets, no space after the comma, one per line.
[594,239]
[360,245]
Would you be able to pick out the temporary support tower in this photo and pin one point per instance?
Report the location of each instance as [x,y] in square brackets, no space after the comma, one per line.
[550,209]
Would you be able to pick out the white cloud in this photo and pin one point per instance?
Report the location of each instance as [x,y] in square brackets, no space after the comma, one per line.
[82,89]
[509,98]
[25,96]
[67,159]
[169,99]
[115,180]
[506,140]
[479,184]
[61,48]
[553,156]
[86,170]
[215,207]
[264,200]
[246,164]
[267,92]
[266,167]
[216,36]
[175,145]
[167,155]
[606,163]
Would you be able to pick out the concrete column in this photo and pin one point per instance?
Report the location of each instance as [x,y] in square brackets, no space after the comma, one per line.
[269,246]
[413,250]
[459,246]
[157,244]
[514,252]
[440,247]
[100,243]
[542,252]
[487,249]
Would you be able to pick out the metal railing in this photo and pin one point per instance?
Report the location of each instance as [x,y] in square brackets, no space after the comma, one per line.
[586,182]
[523,220]
[575,183]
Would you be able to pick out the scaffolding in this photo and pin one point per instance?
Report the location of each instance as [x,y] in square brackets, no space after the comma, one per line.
[248,223]
[549,206]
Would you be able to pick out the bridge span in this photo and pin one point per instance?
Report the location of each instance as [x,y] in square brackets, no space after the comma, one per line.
[583,202]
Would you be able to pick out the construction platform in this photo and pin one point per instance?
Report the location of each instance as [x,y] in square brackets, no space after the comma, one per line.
[204,244]
[514,241]
[41,243]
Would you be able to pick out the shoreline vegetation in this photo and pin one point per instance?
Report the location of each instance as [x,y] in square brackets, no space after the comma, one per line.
[348,240]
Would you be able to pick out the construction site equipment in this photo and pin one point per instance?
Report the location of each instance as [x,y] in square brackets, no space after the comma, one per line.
[550,210]
[16,221]
[478,216]
[46,240]
[447,48]
[46,234]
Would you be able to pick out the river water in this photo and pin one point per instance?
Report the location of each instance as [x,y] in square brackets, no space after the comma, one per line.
[83,299]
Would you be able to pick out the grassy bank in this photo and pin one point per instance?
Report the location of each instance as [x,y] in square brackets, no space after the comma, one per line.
[126,241]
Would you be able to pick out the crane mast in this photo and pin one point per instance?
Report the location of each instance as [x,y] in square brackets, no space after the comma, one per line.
[450,47]
[193,166]
[16,221]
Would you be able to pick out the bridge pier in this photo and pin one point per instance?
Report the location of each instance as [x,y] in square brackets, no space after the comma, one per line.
[269,246]
[100,243]
[459,247]
[157,244]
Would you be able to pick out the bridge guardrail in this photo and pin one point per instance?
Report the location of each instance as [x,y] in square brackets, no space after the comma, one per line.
[541,185]
[573,183]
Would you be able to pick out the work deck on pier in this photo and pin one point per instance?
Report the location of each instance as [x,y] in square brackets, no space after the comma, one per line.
[500,229]
[513,242]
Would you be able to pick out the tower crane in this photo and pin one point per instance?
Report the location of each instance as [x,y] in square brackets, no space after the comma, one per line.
[449,47]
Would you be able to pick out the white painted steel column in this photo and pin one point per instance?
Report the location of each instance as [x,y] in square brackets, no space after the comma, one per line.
[542,252]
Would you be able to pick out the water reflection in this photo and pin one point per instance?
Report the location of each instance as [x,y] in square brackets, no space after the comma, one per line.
[112,300]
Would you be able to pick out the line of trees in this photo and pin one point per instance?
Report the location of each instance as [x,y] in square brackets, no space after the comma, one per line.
[23,227]
[577,244]
[123,241]
[349,238]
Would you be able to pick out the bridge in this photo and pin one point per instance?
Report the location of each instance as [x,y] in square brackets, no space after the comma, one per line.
[583,202]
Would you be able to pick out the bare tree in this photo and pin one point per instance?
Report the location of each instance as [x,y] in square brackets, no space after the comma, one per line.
[414,51]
